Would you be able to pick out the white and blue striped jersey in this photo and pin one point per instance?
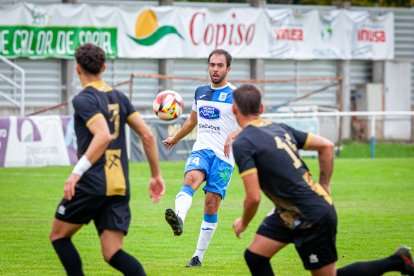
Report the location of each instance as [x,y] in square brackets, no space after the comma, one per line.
[215,119]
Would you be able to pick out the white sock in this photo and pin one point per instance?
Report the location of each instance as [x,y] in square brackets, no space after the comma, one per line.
[206,234]
[182,203]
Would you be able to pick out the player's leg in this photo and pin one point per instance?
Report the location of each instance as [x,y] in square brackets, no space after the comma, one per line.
[259,253]
[112,223]
[69,218]
[62,231]
[208,227]
[183,201]
[111,243]
[316,245]
[217,182]
[270,238]
[400,261]
[196,168]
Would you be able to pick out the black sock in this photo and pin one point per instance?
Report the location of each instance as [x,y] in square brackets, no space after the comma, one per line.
[371,268]
[257,264]
[68,256]
[127,264]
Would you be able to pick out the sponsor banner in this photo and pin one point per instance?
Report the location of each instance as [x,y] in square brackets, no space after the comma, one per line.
[39,31]
[32,141]
[372,36]
[60,42]
[170,32]
[162,130]
[51,140]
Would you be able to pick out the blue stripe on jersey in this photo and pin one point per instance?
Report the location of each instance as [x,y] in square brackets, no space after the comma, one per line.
[223,95]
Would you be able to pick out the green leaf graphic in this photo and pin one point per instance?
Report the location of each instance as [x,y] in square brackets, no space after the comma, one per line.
[156,36]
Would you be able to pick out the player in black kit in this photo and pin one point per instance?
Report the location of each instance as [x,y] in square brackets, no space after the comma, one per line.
[268,160]
[98,187]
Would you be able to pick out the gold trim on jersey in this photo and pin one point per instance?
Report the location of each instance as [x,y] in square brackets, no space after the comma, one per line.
[133,115]
[260,122]
[99,85]
[316,187]
[115,178]
[249,171]
[94,117]
[308,138]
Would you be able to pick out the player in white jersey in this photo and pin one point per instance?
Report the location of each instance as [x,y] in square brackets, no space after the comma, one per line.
[209,161]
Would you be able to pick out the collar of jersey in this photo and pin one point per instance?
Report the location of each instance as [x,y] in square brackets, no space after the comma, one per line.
[259,122]
[219,88]
[99,85]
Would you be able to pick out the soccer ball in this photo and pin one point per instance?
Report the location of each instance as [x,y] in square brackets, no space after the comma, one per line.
[168,105]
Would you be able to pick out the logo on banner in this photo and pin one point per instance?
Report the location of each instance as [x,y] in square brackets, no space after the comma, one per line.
[27,130]
[147,31]
[327,30]
[367,35]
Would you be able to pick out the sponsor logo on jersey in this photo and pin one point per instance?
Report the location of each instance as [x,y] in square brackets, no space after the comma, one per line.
[222,96]
[209,112]
[206,126]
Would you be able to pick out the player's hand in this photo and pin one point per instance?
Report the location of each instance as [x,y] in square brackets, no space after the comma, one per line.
[69,189]
[169,142]
[239,227]
[156,188]
[229,142]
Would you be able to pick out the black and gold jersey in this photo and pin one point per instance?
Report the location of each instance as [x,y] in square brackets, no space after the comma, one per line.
[109,175]
[271,150]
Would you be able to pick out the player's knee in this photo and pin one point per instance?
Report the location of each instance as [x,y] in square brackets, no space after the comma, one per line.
[55,235]
[52,236]
[107,256]
[257,263]
[194,179]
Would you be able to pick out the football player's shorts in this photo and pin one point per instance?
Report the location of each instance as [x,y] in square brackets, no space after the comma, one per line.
[316,245]
[107,212]
[218,172]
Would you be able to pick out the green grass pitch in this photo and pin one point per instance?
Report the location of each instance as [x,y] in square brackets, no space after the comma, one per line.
[374,201]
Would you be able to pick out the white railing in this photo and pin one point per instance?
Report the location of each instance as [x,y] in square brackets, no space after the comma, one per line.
[372,117]
[21,86]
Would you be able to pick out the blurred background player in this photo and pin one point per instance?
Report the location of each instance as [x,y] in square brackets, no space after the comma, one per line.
[210,159]
[268,159]
[98,187]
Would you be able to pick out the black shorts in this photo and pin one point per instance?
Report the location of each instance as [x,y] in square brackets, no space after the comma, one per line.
[107,212]
[316,245]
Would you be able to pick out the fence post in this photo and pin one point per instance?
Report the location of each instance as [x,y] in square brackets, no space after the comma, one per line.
[373,136]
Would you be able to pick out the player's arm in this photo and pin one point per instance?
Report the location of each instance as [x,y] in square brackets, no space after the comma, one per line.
[251,202]
[100,141]
[325,150]
[157,186]
[187,127]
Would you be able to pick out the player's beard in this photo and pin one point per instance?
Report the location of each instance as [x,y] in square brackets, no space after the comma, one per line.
[219,80]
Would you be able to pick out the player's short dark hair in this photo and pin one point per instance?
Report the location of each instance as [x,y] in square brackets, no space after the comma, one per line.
[221,52]
[90,58]
[247,98]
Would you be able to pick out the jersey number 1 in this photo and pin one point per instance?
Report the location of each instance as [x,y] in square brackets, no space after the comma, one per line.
[282,145]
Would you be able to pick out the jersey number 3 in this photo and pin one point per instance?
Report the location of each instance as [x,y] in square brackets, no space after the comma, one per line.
[114,111]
